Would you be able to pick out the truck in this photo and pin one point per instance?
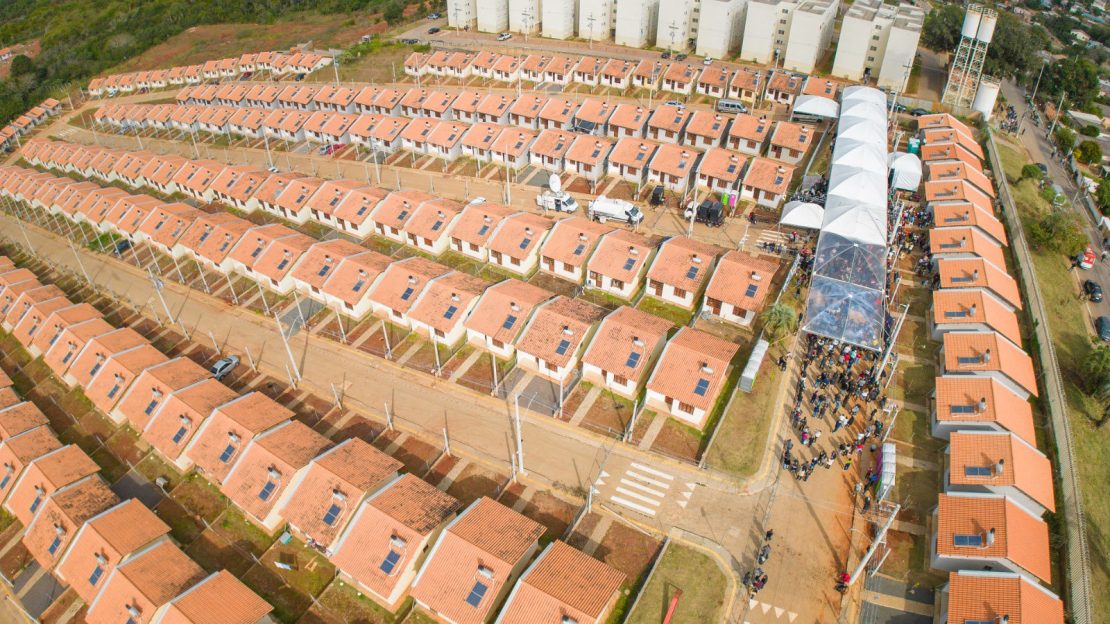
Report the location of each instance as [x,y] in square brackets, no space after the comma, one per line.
[605,208]
[556,198]
[710,212]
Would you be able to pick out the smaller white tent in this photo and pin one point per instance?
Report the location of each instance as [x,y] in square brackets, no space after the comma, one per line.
[816,106]
[905,171]
[801,214]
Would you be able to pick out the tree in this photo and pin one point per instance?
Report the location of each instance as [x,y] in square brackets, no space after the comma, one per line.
[394,13]
[1088,153]
[1058,231]
[1089,131]
[1102,196]
[1096,379]
[22,65]
[1075,77]
[779,320]
[1031,172]
[1065,138]
[941,31]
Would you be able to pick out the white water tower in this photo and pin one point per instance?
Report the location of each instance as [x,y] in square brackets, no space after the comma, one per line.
[986,97]
[967,64]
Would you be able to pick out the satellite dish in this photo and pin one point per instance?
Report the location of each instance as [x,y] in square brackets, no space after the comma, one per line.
[555,183]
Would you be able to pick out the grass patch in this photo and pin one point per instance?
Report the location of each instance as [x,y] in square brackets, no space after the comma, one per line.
[310,572]
[672,313]
[348,604]
[243,533]
[6,520]
[154,467]
[699,577]
[200,497]
[744,428]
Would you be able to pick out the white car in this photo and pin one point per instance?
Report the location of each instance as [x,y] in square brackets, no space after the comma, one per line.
[708,61]
[504,36]
[675,103]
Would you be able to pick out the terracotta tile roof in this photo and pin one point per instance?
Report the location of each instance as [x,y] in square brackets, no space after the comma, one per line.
[21,449]
[667,117]
[508,299]
[403,282]
[350,281]
[257,240]
[481,135]
[1023,466]
[689,358]
[795,136]
[950,151]
[273,457]
[487,538]
[623,332]
[561,65]
[340,477]
[985,596]
[784,82]
[621,255]
[974,352]
[513,142]
[965,240]
[535,63]
[707,124]
[167,223]
[388,99]
[633,152]
[59,468]
[397,207]
[220,597]
[358,205]
[589,150]
[820,86]
[520,235]
[648,68]
[963,213]
[675,160]
[104,541]
[733,278]
[63,514]
[1018,535]
[715,75]
[559,110]
[495,105]
[974,306]
[316,265]
[102,347]
[507,64]
[528,106]
[438,102]
[681,73]
[675,263]
[959,170]
[954,189]
[467,100]
[721,164]
[281,255]
[19,417]
[62,319]
[769,175]
[629,116]
[560,320]
[572,240]
[432,219]
[962,398]
[208,232]
[408,508]
[478,222]
[946,135]
[595,111]
[195,403]
[943,120]
[563,581]
[255,412]
[297,193]
[145,583]
[419,130]
[552,143]
[443,301]
[363,126]
[485,60]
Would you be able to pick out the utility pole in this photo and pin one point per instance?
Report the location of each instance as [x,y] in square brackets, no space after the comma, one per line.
[874,544]
[591,20]
[158,286]
[1059,108]
[288,349]
[519,437]
[527,16]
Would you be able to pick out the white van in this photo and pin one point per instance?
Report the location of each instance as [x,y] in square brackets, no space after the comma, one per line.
[734,107]
[604,209]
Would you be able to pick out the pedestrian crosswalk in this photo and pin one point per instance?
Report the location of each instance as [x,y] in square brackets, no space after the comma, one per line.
[643,489]
[765,612]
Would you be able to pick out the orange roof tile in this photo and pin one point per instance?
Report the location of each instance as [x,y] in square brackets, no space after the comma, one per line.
[669,117]
[683,263]
[315,266]
[1022,465]
[520,234]
[144,584]
[675,160]
[557,321]
[572,240]
[563,582]
[974,306]
[769,175]
[689,358]
[974,352]
[965,240]
[795,136]
[735,274]
[442,301]
[986,596]
[1018,535]
[623,332]
[19,417]
[629,116]
[478,222]
[964,213]
[351,280]
[510,299]
[220,597]
[963,398]
[621,255]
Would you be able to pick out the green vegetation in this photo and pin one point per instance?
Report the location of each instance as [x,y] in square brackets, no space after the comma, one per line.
[1013,50]
[1031,172]
[1088,153]
[701,580]
[1057,231]
[779,320]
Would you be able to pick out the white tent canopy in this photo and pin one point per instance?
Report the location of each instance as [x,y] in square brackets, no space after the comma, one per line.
[802,215]
[906,171]
[816,106]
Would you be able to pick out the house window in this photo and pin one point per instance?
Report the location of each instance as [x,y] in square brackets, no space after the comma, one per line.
[702,387]
[978,471]
[267,491]
[751,290]
[680,293]
[332,515]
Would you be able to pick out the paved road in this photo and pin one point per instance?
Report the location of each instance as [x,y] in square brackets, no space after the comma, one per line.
[1040,149]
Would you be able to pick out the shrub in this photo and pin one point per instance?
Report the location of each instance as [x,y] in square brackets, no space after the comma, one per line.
[1088,153]
[1031,172]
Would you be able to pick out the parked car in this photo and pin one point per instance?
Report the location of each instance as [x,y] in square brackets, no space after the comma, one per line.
[898,107]
[328,150]
[410,41]
[917,112]
[1102,326]
[708,61]
[1092,290]
[121,246]
[504,36]
[223,367]
[675,103]
[657,197]
[1043,167]
[298,77]
[605,209]
[681,57]
[710,212]
[666,54]
[434,16]
[433,30]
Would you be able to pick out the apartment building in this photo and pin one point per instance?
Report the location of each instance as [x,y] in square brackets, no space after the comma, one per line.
[793,34]
[878,42]
[462,13]
[558,18]
[720,27]
[493,15]
[636,22]
[596,19]
[677,26]
[524,16]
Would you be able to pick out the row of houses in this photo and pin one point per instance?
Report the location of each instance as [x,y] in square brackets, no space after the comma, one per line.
[389,534]
[551,336]
[20,126]
[988,530]
[117,555]
[235,68]
[671,146]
